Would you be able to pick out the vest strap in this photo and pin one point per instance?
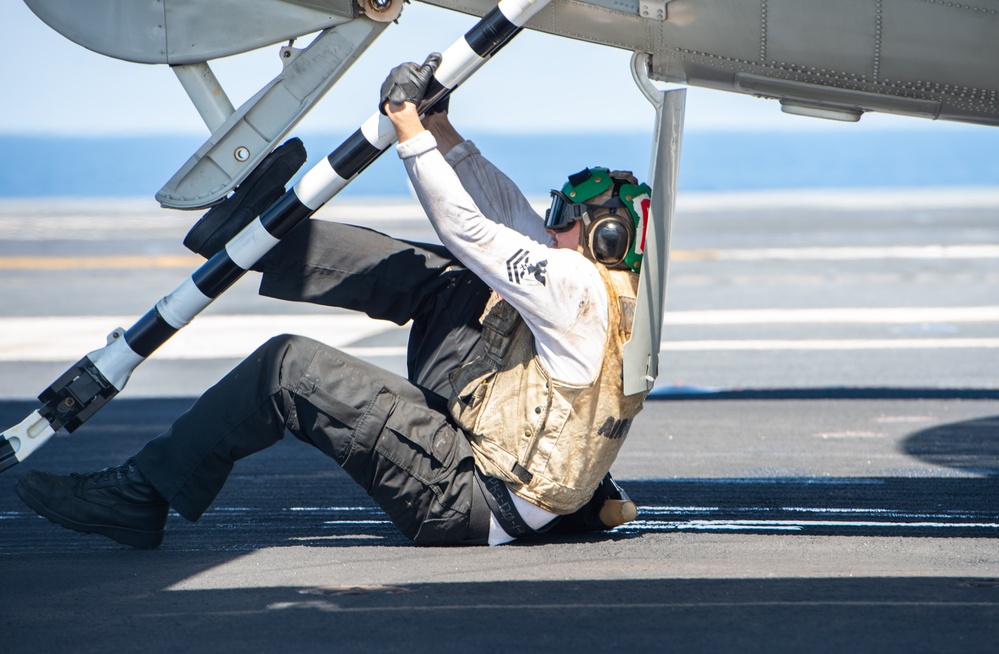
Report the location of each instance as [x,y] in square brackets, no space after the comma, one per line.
[501,505]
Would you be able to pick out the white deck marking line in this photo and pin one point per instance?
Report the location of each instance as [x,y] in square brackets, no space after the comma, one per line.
[845,253]
[208,337]
[842,253]
[831,345]
[65,338]
[792,525]
[326,606]
[665,518]
[844,315]
[844,345]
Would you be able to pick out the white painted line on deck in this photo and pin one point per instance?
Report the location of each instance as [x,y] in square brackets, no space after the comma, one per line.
[841,253]
[849,253]
[208,337]
[670,518]
[851,199]
[846,315]
[832,345]
[793,525]
[67,338]
[767,345]
[321,606]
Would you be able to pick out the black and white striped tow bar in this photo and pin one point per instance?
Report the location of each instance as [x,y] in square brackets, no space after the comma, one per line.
[98,377]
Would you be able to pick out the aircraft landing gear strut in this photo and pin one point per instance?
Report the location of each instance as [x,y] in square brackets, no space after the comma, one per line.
[641,352]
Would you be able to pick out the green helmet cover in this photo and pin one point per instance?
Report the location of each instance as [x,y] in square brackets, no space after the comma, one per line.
[594,182]
[591,182]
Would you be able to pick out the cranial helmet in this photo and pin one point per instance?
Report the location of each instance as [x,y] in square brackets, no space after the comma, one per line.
[613,211]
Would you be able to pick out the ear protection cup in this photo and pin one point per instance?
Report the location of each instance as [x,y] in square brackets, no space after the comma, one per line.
[609,238]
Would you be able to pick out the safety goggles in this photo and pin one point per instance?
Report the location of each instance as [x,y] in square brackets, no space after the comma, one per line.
[563,213]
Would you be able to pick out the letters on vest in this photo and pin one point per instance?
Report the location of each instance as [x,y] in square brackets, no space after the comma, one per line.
[551,443]
[614,428]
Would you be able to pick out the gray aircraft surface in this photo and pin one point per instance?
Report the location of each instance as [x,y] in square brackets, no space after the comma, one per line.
[833,60]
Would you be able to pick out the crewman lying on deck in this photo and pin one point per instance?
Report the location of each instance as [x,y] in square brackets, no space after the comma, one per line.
[513,410]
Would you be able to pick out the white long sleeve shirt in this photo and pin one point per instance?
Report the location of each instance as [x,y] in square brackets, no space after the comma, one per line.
[486,222]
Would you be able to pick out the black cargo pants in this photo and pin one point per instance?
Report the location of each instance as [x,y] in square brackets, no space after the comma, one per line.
[392,435]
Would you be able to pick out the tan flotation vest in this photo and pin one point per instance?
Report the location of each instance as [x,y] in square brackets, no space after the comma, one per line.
[551,442]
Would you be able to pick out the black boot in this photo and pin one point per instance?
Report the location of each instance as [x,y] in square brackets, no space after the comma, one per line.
[609,507]
[115,502]
[261,188]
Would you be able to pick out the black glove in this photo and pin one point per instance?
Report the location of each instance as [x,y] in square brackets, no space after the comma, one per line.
[408,82]
[444,104]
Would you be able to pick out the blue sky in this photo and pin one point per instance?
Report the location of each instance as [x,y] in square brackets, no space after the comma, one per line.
[57,87]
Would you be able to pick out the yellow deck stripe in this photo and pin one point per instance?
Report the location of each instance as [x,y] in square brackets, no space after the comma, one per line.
[131,262]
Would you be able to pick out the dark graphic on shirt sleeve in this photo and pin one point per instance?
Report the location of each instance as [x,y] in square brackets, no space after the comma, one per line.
[519,267]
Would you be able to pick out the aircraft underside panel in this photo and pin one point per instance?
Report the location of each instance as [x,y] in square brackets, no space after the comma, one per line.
[926,58]
[186,31]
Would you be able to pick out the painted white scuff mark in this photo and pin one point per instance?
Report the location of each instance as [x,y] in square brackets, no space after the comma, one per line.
[318,605]
[330,508]
[781,481]
[792,525]
[309,539]
[678,509]
[904,419]
[892,519]
[709,525]
[884,512]
[325,606]
[695,510]
[520,606]
[850,434]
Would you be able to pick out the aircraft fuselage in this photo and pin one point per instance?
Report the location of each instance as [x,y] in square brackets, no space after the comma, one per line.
[926,58]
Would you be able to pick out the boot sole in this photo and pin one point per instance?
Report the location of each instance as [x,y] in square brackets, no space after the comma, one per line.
[133,537]
[291,156]
[615,513]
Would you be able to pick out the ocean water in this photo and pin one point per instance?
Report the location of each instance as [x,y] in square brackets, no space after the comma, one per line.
[32,166]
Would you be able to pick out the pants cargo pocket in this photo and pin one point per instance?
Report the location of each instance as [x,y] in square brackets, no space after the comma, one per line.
[419,440]
[413,464]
